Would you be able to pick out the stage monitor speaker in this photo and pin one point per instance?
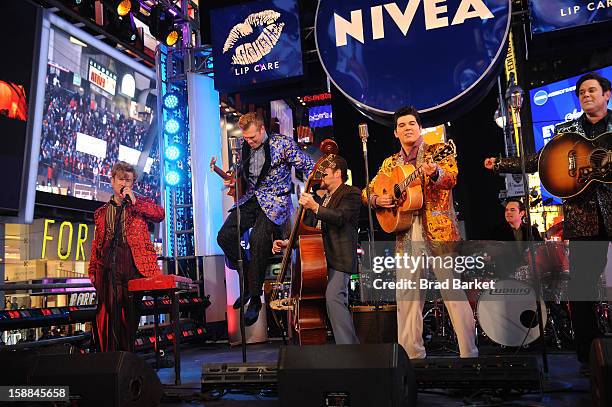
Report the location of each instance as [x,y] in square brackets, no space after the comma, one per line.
[118,379]
[346,375]
[601,372]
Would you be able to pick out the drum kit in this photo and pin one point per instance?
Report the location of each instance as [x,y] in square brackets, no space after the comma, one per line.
[506,315]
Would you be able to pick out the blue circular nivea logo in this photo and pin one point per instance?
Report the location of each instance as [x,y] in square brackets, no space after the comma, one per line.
[540,97]
[432,54]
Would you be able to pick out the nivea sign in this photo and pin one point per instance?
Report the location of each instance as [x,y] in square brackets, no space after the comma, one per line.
[432,54]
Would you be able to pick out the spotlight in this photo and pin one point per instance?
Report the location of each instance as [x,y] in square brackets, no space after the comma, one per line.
[172,178]
[172,153]
[123,7]
[172,126]
[162,26]
[171,101]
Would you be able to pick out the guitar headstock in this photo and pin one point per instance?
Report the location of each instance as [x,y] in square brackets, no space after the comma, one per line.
[213,161]
[446,150]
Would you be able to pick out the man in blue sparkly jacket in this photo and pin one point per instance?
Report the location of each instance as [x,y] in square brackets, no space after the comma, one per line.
[265,172]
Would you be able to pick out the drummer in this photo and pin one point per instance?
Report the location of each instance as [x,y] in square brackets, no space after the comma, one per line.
[513,229]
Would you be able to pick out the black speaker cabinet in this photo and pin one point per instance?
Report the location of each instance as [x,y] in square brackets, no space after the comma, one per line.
[601,372]
[118,379]
[346,375]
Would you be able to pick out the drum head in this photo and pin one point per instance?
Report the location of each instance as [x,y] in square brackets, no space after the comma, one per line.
[507,314]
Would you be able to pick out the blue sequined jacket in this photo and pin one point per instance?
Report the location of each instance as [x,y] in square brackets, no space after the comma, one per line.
[273,186]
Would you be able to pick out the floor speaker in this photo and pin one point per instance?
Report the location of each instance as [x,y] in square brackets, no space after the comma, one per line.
[601,372]
[118,379]
[346,375]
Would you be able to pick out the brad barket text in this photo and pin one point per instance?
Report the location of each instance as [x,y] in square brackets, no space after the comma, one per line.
[426,284]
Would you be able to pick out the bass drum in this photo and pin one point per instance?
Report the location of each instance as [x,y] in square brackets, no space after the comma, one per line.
[507,313]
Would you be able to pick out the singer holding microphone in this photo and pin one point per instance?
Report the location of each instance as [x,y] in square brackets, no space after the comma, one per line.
[121,251]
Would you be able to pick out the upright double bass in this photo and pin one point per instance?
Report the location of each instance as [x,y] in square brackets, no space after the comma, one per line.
[306,303]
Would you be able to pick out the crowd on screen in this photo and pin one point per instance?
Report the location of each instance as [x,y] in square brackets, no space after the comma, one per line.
[65,114]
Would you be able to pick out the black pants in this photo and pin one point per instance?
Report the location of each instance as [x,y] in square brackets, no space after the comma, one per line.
[115,327]
[587,260]
[260,242]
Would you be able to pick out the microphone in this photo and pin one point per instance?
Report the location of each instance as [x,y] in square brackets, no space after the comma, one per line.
[233,142]
[126,199]
[363,134]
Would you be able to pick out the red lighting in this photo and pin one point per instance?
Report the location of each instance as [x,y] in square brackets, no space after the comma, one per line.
[317,98]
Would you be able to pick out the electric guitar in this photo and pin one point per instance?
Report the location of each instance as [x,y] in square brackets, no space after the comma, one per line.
[231,191]
[569,163]
[402,184]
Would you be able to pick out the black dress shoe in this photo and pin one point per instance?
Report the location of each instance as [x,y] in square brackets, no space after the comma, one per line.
[247,297]
[252,312]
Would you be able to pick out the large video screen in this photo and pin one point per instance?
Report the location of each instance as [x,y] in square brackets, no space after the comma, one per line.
[256,42]
[553,104]
[15,85]
[97,111]
[551,15]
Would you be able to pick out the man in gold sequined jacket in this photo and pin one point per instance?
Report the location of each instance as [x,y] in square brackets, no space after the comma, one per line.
[434,230]
[587,216]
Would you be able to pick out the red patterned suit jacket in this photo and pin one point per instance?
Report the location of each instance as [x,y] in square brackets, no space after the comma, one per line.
[137,235]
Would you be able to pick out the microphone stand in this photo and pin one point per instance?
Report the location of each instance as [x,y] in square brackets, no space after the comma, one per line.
[113,264]
[515,94]
[363,134]
[240,267]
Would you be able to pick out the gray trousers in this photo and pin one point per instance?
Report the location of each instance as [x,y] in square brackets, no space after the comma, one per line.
[336,298]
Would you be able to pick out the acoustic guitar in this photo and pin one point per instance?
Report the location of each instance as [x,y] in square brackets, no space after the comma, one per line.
[569,163]
[231,191]
[403,184]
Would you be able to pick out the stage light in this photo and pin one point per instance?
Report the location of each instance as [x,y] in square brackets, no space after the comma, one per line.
[172,178]
[162,26]
[173,36]
[173,153]
[172,126]
[123,7]
[171,101]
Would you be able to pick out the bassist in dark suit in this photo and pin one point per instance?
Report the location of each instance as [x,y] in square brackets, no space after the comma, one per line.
[336,212]
[588,216]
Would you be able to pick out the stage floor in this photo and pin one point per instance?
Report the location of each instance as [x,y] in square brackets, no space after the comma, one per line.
[563,369]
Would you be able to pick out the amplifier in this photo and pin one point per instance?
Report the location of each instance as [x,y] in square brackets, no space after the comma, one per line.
[375,324]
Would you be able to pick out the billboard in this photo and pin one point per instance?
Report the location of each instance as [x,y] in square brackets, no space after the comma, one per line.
[255,43]
[551,15]
[375,52]
[96,111]
[320,116]
[553,104]
[20,21]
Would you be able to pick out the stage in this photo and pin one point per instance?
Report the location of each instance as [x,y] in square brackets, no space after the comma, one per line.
[563,370]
